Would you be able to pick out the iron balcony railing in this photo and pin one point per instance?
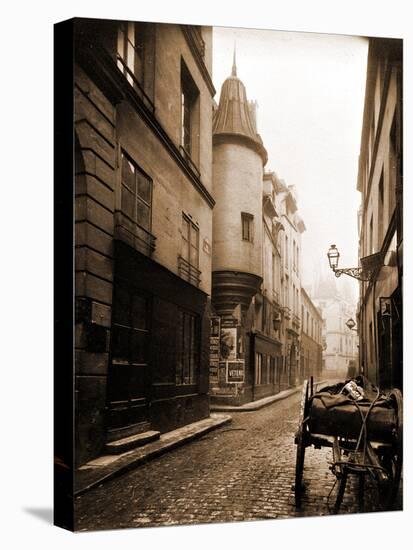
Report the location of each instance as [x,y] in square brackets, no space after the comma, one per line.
[188,159]
[137,85]
[188,272]
[129,231]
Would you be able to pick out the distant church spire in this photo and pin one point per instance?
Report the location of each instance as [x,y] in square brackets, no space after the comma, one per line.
[234,63]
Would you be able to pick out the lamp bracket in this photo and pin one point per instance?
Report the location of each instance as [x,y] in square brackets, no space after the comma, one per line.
[356,273]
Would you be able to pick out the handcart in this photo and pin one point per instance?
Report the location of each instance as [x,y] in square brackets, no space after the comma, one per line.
[364,431]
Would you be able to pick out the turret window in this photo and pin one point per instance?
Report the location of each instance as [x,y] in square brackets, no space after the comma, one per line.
[247,222]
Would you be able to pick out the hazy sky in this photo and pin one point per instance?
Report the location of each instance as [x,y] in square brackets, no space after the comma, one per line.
[310,93]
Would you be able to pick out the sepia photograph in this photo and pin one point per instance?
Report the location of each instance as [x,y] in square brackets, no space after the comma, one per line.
[238,275]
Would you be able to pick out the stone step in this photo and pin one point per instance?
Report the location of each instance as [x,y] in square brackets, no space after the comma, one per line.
[133,429]
[131,442]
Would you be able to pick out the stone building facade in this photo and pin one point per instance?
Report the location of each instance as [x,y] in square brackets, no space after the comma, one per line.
[290,271]
[256,288]
[143,134]
[239,158]
[380,182]
[267,306]
[340,344]
[311,345]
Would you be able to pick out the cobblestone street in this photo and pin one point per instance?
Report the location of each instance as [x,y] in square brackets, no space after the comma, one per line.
[242,471]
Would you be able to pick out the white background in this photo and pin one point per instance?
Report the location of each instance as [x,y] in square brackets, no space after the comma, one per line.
[27,284]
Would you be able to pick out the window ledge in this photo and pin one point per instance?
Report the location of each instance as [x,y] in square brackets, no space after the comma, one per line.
[133,234]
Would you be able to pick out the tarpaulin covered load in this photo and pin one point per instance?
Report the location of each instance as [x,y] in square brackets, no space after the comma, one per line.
[334,412]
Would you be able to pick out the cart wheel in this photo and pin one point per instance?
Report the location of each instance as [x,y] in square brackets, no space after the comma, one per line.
[392,459]
[300,440]
[396,460]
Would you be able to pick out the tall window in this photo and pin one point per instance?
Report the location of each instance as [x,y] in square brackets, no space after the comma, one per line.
[381,211]
[286,253]
[297,260]
[287,292]
[131,51]
[187,348]
[130,329]
[189,258]
[393,168]
[136,193]
[371,250]
[189,113]
[258,368]
[247,221]
[274,276]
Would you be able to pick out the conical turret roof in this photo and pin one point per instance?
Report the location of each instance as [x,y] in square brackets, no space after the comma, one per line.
[233,116]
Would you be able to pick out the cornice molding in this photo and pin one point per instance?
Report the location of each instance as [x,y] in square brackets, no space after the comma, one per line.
[186,31]
[241,139]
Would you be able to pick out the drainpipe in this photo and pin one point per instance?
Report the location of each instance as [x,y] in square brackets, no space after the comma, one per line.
[252,363]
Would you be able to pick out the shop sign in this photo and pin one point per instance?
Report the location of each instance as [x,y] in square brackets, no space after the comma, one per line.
[214,350]
[235,371]
[228,344]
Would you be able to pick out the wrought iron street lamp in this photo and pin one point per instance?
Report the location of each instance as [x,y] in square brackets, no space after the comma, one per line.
[333,255]
[364,273]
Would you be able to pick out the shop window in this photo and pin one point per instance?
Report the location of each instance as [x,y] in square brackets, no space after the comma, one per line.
[258,369]
[188,341]
[247,221]
[272,374]
[265,370]
[130,329]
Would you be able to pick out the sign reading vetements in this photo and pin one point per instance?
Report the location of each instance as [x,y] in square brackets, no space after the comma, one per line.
[235,371]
